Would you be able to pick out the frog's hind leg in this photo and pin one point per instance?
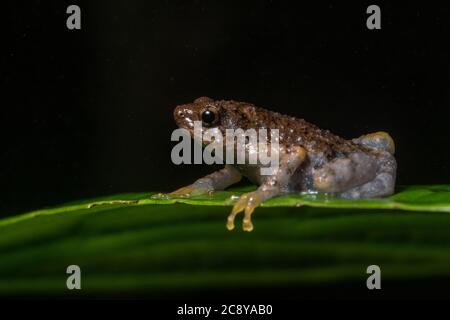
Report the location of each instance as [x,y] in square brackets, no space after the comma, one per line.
[382,185]
[345,173]
[380,141]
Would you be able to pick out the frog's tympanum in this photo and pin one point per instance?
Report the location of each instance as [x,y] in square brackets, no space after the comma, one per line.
[310,159]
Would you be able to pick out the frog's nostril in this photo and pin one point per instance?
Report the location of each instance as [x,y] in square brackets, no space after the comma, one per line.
[179,112]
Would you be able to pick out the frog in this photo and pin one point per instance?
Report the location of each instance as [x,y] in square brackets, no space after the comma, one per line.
[311,159]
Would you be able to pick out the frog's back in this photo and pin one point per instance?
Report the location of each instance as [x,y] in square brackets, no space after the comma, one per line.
[298,132]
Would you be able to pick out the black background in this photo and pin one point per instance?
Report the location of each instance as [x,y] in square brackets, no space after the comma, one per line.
[89,112]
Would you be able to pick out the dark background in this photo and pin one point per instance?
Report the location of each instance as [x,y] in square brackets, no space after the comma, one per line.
[89,112]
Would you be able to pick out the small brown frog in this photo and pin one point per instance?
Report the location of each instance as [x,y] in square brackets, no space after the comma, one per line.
[310,159]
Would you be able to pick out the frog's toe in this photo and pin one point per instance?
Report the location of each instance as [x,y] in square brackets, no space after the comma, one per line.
[160,196]
[112,202]
[247,203]
[183,192]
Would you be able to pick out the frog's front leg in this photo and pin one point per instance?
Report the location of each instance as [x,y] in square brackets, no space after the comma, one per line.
[248,202]
[218,180]
[272,186]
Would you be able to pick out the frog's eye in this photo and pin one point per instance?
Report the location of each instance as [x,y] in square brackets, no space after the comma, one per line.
[209,116]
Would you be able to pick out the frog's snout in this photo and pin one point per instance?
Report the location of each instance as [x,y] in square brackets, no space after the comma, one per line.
[180,115]
[184,117]
[179,112]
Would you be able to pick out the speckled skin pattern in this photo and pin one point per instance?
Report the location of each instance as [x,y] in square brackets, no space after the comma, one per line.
[311,159]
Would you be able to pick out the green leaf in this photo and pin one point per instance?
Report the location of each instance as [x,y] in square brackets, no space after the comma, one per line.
[181,246]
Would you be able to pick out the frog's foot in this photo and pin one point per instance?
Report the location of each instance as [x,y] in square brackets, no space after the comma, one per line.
[247,203]
[184,192]
[112,202]
[380,140]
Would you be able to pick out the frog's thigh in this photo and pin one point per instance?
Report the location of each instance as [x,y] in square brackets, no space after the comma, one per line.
[382,185]
[343,174]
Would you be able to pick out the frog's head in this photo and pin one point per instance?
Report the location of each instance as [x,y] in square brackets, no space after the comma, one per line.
[215,114]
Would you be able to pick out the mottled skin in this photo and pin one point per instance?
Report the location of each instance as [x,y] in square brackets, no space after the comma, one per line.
[311,159]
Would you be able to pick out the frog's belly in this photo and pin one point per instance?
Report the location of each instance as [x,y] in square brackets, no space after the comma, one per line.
[252,173]
[301,180]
